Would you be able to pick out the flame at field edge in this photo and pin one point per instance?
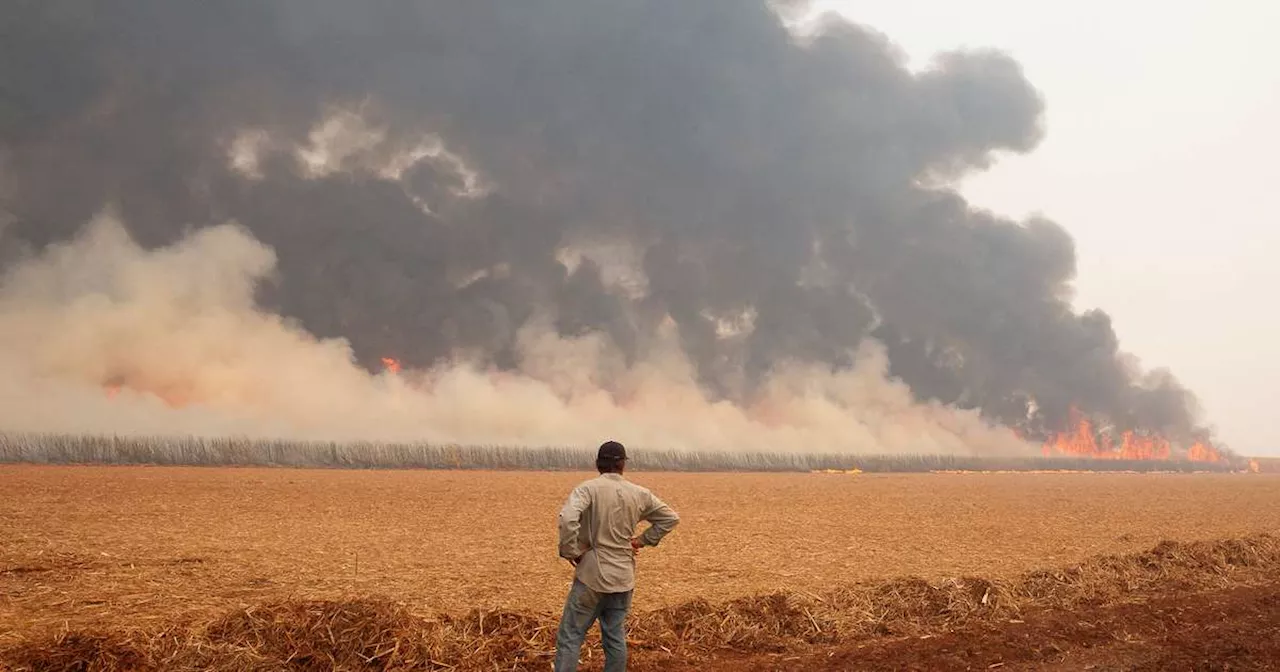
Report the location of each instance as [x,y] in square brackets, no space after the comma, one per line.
[1083,441]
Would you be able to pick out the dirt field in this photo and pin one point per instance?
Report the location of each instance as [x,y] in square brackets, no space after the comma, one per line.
[1234,630]
[97,547]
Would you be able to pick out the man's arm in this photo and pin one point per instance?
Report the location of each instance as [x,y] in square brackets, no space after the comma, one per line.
[571,545]
[662,519]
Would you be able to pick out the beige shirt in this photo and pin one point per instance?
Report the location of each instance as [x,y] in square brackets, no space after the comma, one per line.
[597,524]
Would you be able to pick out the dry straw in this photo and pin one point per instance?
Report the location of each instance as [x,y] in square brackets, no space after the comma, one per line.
[224,451]
[378,634]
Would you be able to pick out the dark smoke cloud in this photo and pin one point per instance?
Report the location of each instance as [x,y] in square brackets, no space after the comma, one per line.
[796,184]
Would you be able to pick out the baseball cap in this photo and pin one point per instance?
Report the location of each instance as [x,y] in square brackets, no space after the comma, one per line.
[612,451]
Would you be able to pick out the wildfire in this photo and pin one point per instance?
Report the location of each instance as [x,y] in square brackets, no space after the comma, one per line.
[391,365]
[1083,441]
[173,396]
[1203,452]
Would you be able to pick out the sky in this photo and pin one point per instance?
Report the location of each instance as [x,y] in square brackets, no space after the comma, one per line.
[1160,158]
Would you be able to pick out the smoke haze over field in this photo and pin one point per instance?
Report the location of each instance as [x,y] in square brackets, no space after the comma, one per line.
[179,324]
[673,221]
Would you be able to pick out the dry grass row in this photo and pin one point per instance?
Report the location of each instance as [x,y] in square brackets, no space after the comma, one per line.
[221,451]
[377,634]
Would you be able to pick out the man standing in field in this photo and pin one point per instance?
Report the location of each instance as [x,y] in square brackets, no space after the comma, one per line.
[597,528]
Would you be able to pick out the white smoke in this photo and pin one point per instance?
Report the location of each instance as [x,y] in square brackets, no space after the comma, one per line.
[101,336]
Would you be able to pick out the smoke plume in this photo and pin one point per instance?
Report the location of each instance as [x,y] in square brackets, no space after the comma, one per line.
[672,220]
[176,336]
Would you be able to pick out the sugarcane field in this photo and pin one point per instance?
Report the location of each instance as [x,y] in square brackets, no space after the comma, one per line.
[662,336]
[248,568]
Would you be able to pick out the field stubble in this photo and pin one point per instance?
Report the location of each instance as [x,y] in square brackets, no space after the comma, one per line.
[154,543]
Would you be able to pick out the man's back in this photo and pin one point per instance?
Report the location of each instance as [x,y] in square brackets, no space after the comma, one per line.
[597,524]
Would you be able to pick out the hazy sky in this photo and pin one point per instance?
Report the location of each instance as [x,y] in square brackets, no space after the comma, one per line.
[1161,159]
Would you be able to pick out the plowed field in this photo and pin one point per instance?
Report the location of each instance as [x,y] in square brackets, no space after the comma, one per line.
[109,547]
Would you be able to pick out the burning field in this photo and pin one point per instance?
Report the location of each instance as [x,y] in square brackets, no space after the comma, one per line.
[487,236]
[748,241]
[203,568]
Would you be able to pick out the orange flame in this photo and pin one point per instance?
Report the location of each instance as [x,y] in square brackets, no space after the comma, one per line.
[173,396]
[1082,441]
[1203,452]
[1254,467]
[391,365]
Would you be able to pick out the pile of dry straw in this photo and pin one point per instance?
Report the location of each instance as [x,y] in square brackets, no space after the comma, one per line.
[375,634]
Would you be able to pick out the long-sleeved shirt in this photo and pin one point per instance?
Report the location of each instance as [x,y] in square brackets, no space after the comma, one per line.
[597,524]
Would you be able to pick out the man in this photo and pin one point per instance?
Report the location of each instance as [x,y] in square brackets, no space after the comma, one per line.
[597,528]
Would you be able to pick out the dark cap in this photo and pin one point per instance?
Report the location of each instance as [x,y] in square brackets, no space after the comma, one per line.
[612,451]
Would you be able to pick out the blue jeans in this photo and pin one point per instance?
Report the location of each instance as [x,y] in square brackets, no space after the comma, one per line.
[583,607]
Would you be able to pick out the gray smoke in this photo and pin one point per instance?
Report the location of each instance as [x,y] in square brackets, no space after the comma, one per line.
[434,175]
